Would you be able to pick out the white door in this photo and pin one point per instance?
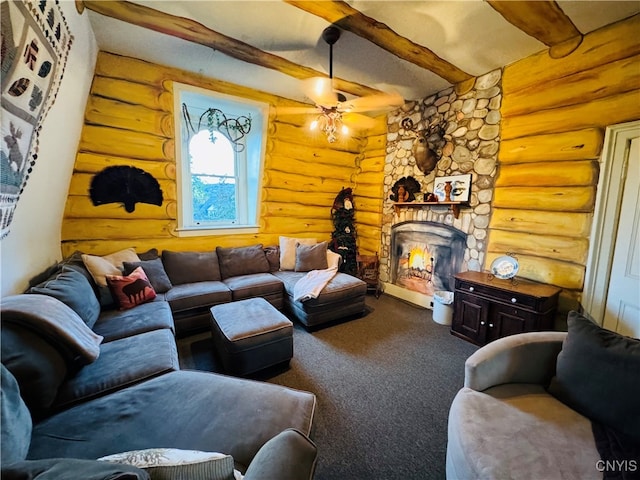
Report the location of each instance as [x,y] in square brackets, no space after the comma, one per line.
[622,310]
[611,294]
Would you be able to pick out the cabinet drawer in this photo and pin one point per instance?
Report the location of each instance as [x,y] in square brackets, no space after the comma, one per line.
[512,297]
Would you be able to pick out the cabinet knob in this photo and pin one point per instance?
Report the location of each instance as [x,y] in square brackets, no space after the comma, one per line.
[491,325]
[471,289]
[481,323]
[514,300]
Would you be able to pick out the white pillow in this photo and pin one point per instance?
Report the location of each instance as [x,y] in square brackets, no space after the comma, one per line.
[333,259]
[173,464]
[288,250]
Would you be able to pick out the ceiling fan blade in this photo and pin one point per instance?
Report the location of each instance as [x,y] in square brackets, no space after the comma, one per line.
[381,102]
[297,110]
[358,121]
[320,91]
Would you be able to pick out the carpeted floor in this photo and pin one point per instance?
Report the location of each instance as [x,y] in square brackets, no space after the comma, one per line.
[384,383]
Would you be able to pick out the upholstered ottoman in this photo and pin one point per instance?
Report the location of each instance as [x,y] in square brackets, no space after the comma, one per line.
[250,335]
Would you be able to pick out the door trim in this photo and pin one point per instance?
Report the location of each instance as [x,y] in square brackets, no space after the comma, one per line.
[606,217]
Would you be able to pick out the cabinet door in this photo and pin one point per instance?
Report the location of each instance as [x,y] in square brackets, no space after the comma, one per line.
[506,320]
[470,317]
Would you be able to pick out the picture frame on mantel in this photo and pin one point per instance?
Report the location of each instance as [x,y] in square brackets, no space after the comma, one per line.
[454,188]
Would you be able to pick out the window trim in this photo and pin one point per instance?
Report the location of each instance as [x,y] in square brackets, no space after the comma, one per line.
[183,230]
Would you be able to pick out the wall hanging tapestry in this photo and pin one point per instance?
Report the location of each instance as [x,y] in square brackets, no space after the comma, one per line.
[35,45]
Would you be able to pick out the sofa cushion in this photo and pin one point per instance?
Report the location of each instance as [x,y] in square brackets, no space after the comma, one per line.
[15,421]
[288,250]
[216,413]
[191,267]
[131,290]
[311,257]
[61,468]
[111,264]
[154,270]
[255,285]
[122,363]
[74,290]
[518,431]
[235,261]
[193,296]
[36,364]
[173,463]
[115,324]
[591,357]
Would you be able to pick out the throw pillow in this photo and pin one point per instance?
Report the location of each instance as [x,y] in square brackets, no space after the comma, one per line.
[273,257]
[111,264]
[175,464]
[242,261]
[311,257]
[132,289]
[73,289]
[597,375]
[191,267]
[288,250]
[154,269]
[150,254]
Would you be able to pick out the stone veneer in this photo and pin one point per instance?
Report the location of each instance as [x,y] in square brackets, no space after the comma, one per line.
[471,124]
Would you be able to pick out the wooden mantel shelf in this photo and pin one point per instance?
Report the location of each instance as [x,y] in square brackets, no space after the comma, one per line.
[453,206]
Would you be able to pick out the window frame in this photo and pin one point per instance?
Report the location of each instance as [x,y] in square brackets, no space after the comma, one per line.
[255,141]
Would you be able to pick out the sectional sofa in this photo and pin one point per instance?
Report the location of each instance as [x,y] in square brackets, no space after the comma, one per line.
[83,378]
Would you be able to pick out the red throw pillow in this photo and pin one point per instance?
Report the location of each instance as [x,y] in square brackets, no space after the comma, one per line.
[131,290]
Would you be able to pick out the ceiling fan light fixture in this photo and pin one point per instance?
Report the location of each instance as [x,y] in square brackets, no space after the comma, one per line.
[330,123]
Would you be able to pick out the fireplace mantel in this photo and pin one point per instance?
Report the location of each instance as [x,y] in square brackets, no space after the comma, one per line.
[453,206]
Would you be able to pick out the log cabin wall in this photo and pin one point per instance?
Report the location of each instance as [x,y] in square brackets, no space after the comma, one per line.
[554,115]
[129,121]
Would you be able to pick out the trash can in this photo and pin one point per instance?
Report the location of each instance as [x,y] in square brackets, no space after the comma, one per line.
[443,307]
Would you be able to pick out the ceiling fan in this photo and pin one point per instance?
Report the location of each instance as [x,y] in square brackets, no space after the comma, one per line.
[334,112]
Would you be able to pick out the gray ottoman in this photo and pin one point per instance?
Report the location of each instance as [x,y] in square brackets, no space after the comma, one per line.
[250,335]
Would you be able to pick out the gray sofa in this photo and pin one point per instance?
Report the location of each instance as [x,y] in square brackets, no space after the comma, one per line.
[188,284]
[548,405]
[70,396]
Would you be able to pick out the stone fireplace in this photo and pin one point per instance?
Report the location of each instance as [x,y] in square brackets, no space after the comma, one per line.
[424,245]
[425,255]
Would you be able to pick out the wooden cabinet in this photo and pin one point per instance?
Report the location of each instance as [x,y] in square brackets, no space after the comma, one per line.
[487,308]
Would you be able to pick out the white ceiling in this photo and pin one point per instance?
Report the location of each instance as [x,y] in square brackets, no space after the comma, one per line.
[470,34]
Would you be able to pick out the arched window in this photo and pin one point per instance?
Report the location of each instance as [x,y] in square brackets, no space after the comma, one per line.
[220,145]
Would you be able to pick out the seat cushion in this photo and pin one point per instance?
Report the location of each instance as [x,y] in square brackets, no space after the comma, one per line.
[254,285]
[115,324]
[15,420]
[122,363]
[222,414]
[194,296]
[518,431]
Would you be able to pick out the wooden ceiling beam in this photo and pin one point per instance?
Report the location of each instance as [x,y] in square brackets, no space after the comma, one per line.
[195,32]
[348,18]
[544,20]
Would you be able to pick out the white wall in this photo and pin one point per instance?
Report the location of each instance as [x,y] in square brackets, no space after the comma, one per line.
[33,242]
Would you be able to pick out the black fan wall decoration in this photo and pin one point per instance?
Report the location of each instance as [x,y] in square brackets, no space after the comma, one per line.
[126,185]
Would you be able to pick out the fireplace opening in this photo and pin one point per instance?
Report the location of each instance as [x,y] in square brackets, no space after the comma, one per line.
[425,255]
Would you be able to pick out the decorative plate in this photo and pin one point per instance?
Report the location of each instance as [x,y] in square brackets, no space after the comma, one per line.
[504,267]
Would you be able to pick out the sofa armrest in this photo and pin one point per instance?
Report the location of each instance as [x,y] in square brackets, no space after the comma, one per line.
[521,358]
[290,455]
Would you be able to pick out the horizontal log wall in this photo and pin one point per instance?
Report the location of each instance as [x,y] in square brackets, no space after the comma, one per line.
[129,120]
[554,114]
[368,190]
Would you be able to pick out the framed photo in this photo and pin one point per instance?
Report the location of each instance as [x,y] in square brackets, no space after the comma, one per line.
[456,188]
